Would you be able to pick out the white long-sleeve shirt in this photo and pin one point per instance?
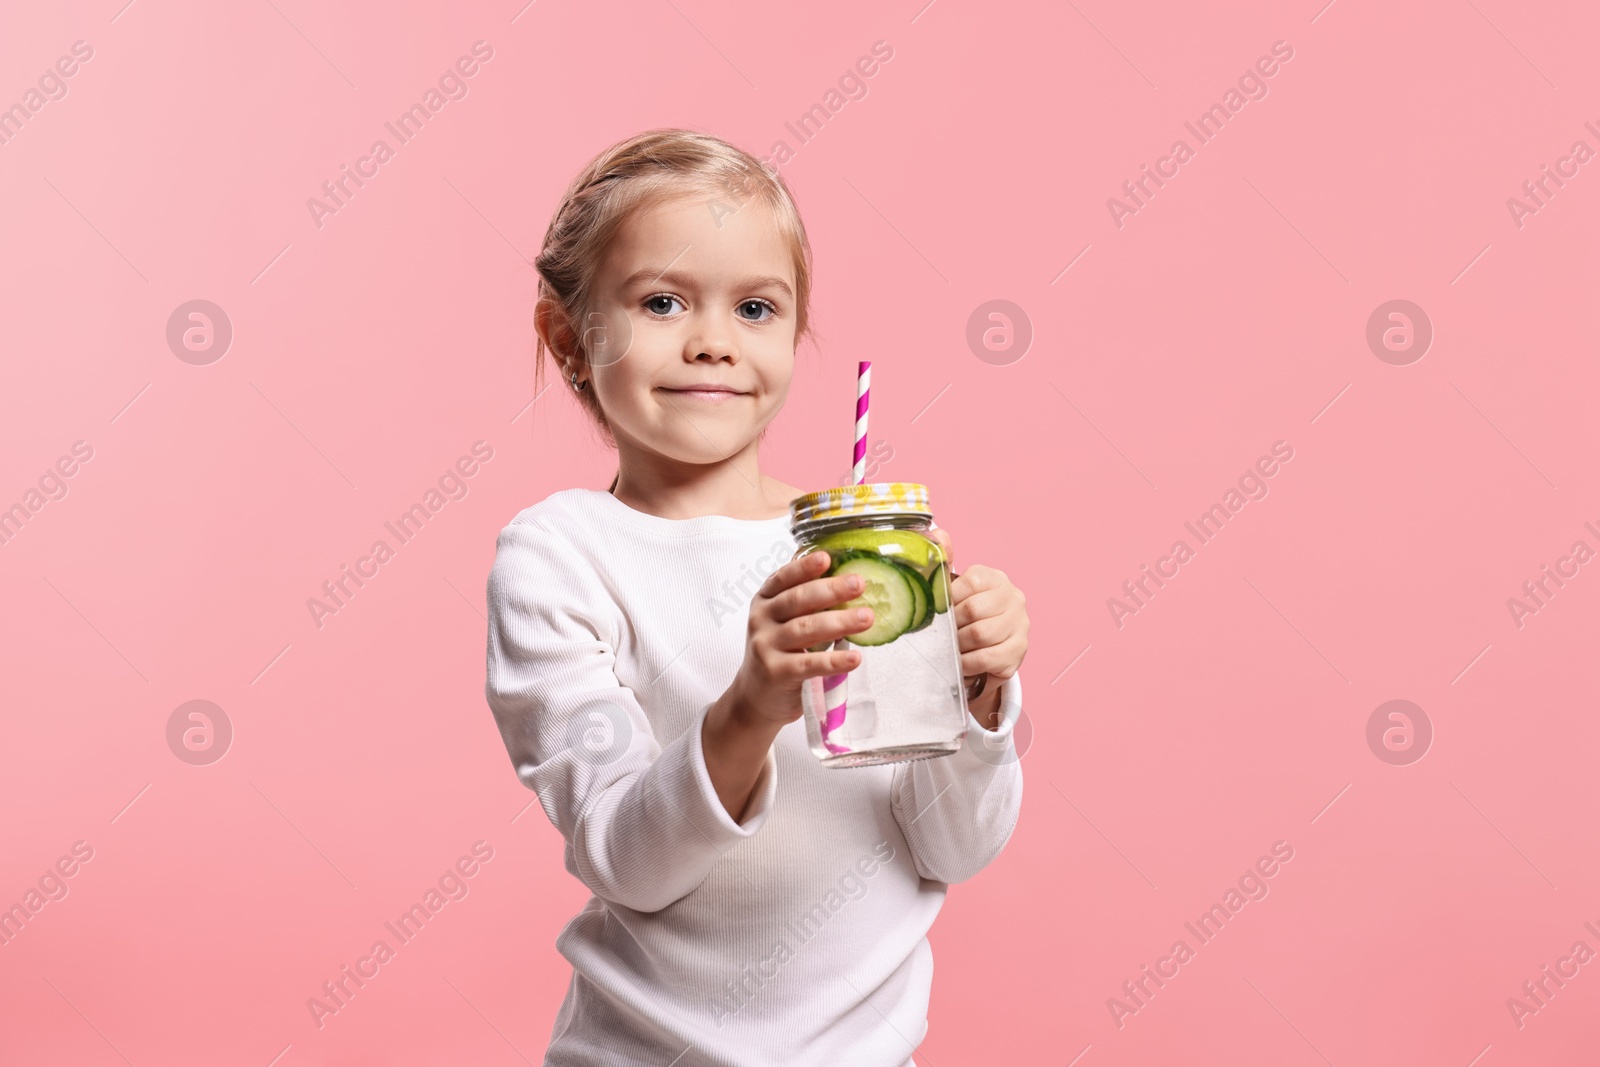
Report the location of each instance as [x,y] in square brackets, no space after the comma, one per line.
[797,936]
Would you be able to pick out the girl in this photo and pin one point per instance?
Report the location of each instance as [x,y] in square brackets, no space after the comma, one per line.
[647,646]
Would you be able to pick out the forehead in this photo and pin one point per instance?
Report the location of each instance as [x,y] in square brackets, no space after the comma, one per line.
[714,238]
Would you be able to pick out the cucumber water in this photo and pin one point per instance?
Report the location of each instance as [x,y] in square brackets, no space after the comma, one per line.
[886,588]
[903,579]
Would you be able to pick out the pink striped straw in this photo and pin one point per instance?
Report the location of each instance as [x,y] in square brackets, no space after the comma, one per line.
[863,397]
[833,686]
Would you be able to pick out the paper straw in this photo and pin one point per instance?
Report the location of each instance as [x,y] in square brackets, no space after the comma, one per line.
[833,686]
[863,397]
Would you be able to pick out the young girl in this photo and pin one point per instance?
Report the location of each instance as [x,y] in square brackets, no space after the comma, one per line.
[647,646]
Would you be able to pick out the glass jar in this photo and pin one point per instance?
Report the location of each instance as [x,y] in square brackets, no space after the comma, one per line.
[905,700]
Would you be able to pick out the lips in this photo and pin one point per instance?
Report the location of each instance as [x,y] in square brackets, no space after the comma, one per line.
[711,393]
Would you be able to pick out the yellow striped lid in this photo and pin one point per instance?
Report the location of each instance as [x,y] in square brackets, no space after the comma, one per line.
[872,498]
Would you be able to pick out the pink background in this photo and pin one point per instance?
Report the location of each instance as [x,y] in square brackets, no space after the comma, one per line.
[1168,754]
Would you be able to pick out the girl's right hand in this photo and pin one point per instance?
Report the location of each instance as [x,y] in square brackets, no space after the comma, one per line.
[787,619]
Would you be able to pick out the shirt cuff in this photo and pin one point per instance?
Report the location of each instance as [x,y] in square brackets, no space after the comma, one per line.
[714,822]
[1000,738]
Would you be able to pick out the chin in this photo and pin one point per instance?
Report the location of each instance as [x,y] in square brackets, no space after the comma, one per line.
[722,447]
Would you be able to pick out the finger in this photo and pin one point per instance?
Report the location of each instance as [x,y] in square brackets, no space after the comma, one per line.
[973,579]
[1000,659]
[995,659]
[941,536]
[815,595]
[979,580]
[985,633]
[968,605]
[822,664]
[975,663]
[794,572]
[809,631]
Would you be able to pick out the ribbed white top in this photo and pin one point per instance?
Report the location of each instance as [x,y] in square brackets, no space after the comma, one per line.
[796,937]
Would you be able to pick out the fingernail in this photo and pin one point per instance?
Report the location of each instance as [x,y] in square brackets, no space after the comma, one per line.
[854,582]
[861,615]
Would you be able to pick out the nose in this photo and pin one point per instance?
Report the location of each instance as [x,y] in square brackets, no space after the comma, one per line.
[711,338]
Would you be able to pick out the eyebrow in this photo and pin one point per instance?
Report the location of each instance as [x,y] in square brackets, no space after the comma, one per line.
[656,274]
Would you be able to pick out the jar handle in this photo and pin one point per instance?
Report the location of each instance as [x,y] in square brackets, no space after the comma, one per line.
[976,688]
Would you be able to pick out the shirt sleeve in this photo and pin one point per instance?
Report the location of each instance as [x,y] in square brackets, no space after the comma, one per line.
[642,821]
[958,811]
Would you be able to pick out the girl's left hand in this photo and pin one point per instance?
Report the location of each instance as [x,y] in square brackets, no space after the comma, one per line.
[990,616]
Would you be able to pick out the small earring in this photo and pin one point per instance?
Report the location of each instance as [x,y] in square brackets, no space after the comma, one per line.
[580,386]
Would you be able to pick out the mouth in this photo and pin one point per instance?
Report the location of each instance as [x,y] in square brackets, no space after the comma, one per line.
[713,396]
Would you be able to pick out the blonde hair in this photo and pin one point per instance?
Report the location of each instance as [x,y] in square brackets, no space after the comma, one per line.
[631,176]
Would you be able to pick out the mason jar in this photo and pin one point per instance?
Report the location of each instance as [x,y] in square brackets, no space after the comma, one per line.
[905,700]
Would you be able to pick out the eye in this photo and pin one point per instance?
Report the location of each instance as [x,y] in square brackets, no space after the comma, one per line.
[758,305]
[652,303]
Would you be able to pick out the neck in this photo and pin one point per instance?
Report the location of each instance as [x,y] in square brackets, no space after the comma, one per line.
[735,487]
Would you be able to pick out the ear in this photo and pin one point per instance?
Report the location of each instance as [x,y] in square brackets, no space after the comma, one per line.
[554,330]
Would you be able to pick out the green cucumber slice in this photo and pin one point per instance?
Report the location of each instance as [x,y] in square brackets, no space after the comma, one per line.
[941,590]
[923,616]
[885,588]
[905,545]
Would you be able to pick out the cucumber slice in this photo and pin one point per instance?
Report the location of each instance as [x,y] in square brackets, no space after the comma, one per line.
[923,616]
[941,589]
[921,592]
[912,548]
[885,588]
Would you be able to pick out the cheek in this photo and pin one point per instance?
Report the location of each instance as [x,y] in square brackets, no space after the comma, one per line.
[626,381]
[626,399]
[609,337]
[777,368]
[776,391]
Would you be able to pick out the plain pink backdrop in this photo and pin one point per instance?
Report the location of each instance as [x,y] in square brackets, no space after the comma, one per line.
[1167,754]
